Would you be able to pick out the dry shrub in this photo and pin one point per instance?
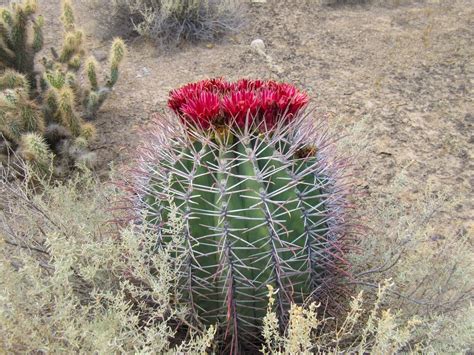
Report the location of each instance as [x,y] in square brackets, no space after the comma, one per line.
[388,3]
[417,297]
[72,285]
[431,269]
[414,288]
[365,329]
[173,21]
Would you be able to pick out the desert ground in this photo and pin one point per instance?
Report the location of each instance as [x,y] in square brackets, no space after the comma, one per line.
[402,74]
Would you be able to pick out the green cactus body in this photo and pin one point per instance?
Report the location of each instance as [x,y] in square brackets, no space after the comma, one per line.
[53,103]
[117,53]
[259,208]
[18,114]
[34,150]
[17,51]
[69,118]
[11,79]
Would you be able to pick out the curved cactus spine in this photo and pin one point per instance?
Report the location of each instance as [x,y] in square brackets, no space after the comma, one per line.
[259,196]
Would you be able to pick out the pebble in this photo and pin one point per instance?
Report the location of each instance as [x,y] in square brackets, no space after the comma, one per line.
[258,44]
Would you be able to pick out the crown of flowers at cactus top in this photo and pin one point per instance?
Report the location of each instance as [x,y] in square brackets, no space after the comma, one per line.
[246,103]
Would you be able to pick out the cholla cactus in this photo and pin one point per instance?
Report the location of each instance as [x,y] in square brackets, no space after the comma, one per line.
[96,95]
[18,114]
[71,52]
[253,177]
[52,110]
[71,56]
[11,79]
[35,151]
[69,118]
[117,53]
[17,49]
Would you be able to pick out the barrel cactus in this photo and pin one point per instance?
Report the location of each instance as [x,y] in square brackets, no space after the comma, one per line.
[253,179]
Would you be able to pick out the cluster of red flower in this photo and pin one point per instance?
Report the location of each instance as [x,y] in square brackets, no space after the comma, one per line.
[259,103]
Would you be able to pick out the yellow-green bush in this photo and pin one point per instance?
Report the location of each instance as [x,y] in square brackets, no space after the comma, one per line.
[72,284]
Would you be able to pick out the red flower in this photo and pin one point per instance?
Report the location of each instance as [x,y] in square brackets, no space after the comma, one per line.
[217,85]
[268,108]
[240,105]
[298,102]
[176,100]
[202,110]
[178,97]
[245,102]
[247,84]
[289,100]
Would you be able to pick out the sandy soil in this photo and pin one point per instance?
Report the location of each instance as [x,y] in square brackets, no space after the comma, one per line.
[404,73]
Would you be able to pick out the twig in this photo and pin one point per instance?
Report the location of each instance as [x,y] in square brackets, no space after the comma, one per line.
[375,286]
[26,247]
[381,268]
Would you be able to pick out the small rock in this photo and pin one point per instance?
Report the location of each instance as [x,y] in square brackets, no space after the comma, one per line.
[436,237]
[143,72]
[258,44]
